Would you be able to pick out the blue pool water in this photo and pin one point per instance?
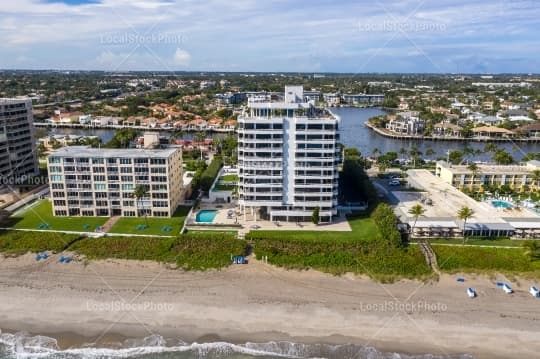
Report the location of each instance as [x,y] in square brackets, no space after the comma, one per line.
[501,204]
[206,216]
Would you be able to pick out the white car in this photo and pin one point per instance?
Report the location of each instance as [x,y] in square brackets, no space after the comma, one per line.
[394,182]
[534,291]
[471,293]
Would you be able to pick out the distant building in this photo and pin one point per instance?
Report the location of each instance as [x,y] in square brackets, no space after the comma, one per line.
[332,99]
[493,132]
[231,98]
[207,84]
[88,181]
[18,156]
[447,129]
[460,176]
[363,99]
[406,123]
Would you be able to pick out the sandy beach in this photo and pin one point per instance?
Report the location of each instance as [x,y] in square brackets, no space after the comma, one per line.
[108,301]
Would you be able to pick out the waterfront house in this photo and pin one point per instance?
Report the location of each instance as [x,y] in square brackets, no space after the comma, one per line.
[492,132]
[197,124]
[532,130]
[406,123]
[447,129]
[214,123]
[332,99]
[229,125]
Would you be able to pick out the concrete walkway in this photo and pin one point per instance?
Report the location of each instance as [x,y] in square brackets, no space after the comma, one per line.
[110,222]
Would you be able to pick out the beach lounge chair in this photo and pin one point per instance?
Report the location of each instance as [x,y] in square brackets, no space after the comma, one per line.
[534,291]
[61,259]
[471,293]
[44,255]
[507,289]
[37,257]
[67,259]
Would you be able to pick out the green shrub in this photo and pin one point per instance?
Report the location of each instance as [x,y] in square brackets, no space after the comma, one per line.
[210,174]
[206,250]
[473,259]
[21,242]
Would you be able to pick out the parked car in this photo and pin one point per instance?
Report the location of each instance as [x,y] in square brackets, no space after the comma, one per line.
[394,182]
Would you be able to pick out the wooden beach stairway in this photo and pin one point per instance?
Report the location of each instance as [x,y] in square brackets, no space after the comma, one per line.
[429,255]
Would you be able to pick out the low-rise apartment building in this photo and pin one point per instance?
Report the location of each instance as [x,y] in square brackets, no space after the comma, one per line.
[518,177]
[88,181]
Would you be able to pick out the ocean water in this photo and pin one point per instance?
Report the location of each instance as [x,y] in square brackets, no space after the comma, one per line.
[22,345]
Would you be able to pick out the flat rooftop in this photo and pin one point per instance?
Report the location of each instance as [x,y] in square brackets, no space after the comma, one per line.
[86,151]
[448,200]
[492,168]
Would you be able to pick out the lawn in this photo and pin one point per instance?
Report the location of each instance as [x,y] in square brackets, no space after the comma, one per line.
[478,259]
[156,226]
[40,212]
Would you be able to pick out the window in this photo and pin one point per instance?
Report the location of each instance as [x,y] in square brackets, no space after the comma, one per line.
[125,161]
[57,178]
[55,169]
[98,161]
[158,170]
[158,161]
[99,178]
[57,186]
[127,187]
[127,178]
[55,160]
[100,186]
[126,170]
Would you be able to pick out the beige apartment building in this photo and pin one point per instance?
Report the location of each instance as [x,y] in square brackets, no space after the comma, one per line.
[88,181]
[515,176]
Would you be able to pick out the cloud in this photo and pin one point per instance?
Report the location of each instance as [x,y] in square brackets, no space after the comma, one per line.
[269,36]
[181,57]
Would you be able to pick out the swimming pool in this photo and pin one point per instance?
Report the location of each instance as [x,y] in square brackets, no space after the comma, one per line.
[501,204]
[206,216]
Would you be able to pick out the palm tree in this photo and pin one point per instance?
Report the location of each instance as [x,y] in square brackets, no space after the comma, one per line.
[532,249]
[416,211]
[473,167]
[464,214]
[139,193]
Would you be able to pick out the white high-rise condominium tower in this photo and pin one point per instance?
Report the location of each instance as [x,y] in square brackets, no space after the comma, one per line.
[18,158]
[288,158]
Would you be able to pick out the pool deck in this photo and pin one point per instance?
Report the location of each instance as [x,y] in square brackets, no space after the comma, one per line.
[340,224]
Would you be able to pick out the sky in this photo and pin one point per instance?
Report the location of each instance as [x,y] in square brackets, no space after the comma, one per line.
[353,36]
